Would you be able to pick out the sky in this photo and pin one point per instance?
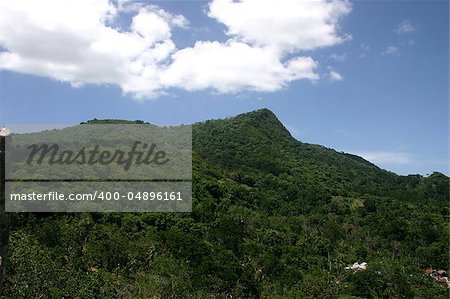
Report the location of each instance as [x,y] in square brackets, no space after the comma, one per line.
[365,77]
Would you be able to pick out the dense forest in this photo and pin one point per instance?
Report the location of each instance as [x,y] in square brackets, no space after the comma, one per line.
[272,217]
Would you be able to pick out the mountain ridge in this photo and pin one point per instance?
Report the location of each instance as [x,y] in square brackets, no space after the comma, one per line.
[263,118]
[257,143]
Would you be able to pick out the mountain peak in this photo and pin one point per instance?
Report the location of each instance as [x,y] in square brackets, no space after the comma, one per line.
[261,123]
[263,120]
[257,140]
[263,114]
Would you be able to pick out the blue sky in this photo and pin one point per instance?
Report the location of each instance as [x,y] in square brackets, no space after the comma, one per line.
[375,83]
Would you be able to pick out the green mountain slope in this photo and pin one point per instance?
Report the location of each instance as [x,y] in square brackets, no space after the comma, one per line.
[257,143]
[272,218]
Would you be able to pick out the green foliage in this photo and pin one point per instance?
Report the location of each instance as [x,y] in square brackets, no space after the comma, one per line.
[272,218]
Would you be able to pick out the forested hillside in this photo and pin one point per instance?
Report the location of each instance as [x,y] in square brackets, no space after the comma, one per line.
[272,217]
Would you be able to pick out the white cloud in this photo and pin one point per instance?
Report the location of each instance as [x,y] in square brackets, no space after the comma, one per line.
[405,26]
[288,25]
[386,157]
[391,51]
[335,76]
[232,66]
[71,42]
[76,42]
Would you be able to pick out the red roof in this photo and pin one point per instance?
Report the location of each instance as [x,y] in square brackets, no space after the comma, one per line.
[429,271]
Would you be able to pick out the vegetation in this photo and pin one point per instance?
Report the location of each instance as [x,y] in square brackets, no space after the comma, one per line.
[272,218]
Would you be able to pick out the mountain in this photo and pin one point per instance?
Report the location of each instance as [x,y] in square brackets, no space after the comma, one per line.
[256,143]
[272,217]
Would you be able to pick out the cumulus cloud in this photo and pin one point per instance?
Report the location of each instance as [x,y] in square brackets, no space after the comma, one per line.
[288,25]
[232,66]
[72,42]
[335,76]
[405,26]
[77,42]
[386,157]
